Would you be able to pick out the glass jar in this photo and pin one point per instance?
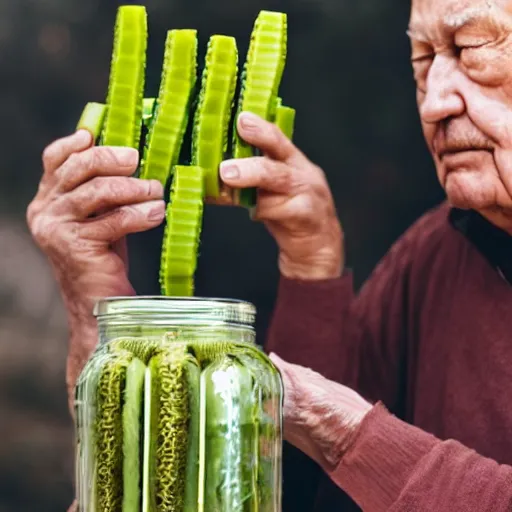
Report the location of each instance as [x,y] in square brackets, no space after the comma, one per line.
[178,410]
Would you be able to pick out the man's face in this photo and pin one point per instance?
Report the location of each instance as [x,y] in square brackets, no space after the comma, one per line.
[462,60]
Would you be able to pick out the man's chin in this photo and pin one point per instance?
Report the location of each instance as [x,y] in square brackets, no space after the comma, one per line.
[466,190]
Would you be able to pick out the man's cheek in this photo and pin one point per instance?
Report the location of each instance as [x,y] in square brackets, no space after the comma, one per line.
[491,112]
[503,160]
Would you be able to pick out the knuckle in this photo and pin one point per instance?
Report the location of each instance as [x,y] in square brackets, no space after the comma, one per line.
[111,226]
[117,223]
[83,161]
[308,207]
[49,153]
[31,213]
[105,156]
[279,176]
[41,230]
[76,161]
[321,191]
[275,135]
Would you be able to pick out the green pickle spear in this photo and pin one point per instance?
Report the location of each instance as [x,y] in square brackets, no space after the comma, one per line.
[172,422]
[261,78]
[92,119]
[227,438]
[213,113]
[132,435]
[167,128]
[123,120]
[182,231]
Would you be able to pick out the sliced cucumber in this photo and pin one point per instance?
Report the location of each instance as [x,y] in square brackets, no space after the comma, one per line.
[132,435]
[123,120]
[213,113]
[171,114]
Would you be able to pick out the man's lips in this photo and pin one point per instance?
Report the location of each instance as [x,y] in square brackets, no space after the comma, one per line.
[446,152]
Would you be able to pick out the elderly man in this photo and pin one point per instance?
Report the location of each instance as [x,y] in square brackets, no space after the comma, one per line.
[417,413]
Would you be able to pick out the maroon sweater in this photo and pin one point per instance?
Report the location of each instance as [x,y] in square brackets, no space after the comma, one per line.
[429,339]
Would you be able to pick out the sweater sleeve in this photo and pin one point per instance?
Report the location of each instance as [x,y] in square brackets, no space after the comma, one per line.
[308,320]
[396,467]
[356,340]
[348,339]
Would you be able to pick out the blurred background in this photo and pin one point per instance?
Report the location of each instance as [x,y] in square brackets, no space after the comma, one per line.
[348,75]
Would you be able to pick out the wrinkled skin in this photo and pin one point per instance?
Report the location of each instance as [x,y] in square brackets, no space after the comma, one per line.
[320,416]
[462,62]
[85,206]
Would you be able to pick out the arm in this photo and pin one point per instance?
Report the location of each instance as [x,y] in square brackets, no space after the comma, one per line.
[317,321]
[381,462]
[397,467]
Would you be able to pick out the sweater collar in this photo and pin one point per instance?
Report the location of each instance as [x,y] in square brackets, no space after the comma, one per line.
[494,243]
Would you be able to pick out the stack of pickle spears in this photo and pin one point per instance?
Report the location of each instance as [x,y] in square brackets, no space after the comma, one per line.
[157,126]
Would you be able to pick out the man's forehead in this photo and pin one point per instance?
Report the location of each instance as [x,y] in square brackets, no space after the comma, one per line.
[453,13]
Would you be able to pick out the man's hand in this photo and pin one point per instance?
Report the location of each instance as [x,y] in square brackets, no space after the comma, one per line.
[85,206]
[321,417]
[294,201]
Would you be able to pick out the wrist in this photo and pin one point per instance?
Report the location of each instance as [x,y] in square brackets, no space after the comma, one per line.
[314,257]
[321,266]
[339,431]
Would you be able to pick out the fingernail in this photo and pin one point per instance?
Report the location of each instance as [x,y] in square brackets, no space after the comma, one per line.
[248,120]
[156,188]
[229,171]
[126,156]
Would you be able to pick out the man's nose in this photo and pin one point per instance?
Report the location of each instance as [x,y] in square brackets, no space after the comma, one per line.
[442,98]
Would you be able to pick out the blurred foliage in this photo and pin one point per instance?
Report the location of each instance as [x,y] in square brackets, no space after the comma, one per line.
[348,75]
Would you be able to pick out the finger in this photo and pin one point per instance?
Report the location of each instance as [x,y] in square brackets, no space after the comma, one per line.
[60,150]
[260,172]
[123,221]
[267,137]
[96,161]
[104,193]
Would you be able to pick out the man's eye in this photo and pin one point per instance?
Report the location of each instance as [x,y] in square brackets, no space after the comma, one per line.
[421,66]
[459,48]
[422,58]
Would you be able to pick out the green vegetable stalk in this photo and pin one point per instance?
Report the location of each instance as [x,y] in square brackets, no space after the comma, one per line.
[260,80]
[109,434]
[123,120]
[132,435]
[183,227]
[171,111]
[213,113]
[227,438]
[174,380]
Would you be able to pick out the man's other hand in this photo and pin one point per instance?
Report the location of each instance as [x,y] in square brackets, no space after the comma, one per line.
[294,201]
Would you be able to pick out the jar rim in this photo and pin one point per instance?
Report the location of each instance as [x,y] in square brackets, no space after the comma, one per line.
[221,308]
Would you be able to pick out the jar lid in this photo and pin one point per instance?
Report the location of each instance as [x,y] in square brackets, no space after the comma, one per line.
[196,309]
